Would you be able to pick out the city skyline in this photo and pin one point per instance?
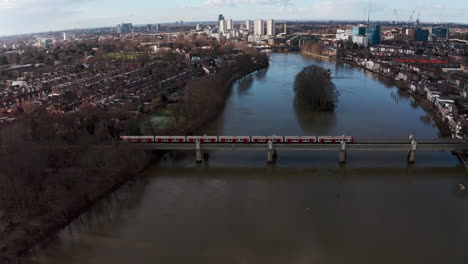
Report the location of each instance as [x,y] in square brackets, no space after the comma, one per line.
[28,16]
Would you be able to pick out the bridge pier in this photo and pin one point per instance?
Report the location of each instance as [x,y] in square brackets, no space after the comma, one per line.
[343,153]
[198,153]
[271,157]
[412,152]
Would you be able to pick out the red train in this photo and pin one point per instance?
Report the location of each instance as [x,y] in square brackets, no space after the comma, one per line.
[238,139]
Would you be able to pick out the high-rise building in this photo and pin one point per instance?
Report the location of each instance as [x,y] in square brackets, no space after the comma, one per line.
[271,29]
[220,17]
[411,33]
[285,28]
[440,32]
[157,27]
[223,26]
[248,25]
[359,31]
[422,35]
[124,28]
[374,34]
[229,25]
[198,28]
[259,27]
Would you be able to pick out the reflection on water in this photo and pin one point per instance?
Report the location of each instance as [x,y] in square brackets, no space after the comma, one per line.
[314,123]
[261,74]
[244,84]
[276,215]
[426,119]
[305,209]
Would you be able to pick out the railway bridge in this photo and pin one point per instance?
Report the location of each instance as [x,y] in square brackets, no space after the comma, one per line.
[272,148]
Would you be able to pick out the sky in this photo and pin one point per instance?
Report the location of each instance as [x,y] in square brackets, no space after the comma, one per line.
[28,16]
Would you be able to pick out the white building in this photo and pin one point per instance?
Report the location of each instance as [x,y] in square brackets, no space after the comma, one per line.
[68,36]
[362,41]
[344,34]
[230,25]
[248,25]
[222,26]
[271,30]
[259,27]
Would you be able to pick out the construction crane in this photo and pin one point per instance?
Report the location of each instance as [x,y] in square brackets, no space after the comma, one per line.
[396,16]
[411,20]
[419,14]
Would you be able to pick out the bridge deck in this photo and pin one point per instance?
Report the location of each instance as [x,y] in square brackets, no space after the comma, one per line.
[367,146]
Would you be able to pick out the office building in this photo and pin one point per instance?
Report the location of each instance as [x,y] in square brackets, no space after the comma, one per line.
[220,17]
[374,34]
[124,28]
[422,35]
[223,26]
[411,33]
[359,31]
[259,27]
[248,25]
[229,25]
[440,32]
[271,28]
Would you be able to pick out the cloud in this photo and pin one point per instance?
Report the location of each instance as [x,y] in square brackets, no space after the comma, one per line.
[22,4]
[231,3]
[22,16]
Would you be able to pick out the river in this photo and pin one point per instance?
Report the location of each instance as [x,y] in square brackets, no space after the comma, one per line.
[306,208]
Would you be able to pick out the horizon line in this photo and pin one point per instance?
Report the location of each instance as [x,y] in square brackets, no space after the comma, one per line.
[214,22]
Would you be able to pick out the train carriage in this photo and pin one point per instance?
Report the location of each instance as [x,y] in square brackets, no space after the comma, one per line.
[169,139]
[300,140]
[335,139]
[209,139]
[231,139]
[226,139]
[137,139]
[202,139]
[242,139]
[261,139]
[345,139]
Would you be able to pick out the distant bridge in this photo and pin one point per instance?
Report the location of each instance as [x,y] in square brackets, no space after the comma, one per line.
[409,145]
[277,49]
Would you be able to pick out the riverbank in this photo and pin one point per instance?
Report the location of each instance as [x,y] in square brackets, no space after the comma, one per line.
[228,85]
[422,101]
[21,236]
[204,98]
[319,56]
